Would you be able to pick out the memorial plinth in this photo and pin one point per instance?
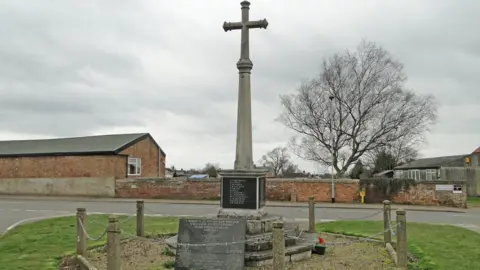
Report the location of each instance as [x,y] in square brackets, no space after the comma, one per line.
[242,194]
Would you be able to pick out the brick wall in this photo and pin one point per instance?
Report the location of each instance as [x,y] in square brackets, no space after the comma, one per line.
[277,190]
[347,191]
[147,151]
[63,166]
[425,194]
[168,189]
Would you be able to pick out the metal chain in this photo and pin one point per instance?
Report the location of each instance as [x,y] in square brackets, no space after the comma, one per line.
[88,236]
[390,222]
[365,217]
[358,240]
[128,219]
[244,241]
[252,240]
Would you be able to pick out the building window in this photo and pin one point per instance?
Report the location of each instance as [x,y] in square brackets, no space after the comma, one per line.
[414,174]
[431,174]
[134,166]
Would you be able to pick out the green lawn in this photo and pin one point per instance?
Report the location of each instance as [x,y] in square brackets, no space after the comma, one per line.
[436,246]
[39,245]
[473,202]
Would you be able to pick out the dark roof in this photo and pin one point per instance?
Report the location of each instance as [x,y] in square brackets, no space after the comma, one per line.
[89,145]
[435,162]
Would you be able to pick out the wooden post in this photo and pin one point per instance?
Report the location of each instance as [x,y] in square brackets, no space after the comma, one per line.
[81,236]
[140,215]
[387,234]
[278,249]
[113,244]
[402,259]
[311,215]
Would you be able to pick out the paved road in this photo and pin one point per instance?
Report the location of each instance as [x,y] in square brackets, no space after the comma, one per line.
[13,211]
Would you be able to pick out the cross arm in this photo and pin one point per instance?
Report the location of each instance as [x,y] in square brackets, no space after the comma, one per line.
[228,26]
[258,24]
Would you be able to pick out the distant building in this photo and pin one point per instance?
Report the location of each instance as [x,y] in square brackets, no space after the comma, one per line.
[198,176]
[428,168]
[118,155]
[181,173]
[169,173]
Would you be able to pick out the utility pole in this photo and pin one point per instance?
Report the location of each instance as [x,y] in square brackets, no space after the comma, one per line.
[331,135]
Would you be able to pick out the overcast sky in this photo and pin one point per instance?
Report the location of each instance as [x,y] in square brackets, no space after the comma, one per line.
[70,68]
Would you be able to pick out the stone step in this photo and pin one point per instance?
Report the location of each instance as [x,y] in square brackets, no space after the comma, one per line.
[302,250]
[264,241]
[265,225]
[263,245]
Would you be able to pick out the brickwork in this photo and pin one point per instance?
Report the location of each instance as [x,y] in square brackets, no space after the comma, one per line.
[85,166]
[277,190]
[168,189]
[63,166]
[347,191]
[149,154]
[425,194]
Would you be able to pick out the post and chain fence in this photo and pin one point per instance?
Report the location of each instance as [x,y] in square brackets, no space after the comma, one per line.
[115,232]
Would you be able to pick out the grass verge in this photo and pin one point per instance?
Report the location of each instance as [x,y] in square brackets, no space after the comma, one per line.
[435,246]
[40,245]
[473,201]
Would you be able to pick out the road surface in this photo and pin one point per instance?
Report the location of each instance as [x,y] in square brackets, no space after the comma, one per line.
[14,211]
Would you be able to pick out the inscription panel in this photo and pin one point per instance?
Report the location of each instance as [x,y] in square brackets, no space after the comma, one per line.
[239,193]
[211,244]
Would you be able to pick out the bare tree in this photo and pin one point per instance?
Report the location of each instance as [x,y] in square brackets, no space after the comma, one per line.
[290,168]
[357,105]
[278,159]
[398,152]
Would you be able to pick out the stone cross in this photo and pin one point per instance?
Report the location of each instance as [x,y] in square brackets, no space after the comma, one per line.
[244,148]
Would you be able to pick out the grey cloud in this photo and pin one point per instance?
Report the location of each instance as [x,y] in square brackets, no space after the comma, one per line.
[70,68]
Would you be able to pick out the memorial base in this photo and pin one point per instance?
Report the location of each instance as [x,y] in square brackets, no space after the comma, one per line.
[258,242]
[247,214]
[243,197]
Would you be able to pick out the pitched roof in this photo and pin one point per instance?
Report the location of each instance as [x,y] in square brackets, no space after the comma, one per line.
[383,173]
[477,151]
[89,145]
[433,162]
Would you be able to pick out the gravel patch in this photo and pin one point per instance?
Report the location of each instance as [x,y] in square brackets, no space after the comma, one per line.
[152,254]
[351,256]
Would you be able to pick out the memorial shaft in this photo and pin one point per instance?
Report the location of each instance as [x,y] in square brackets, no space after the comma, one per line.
[244,144]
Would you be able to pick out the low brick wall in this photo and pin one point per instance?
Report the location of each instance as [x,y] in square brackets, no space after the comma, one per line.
[168,189]
[424,193]
[346,191]
[277,189]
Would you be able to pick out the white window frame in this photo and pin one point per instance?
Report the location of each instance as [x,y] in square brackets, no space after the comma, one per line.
[432,173]
[414,174]
[137,162]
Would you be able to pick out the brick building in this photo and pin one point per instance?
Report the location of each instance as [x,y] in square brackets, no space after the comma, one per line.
[119,156]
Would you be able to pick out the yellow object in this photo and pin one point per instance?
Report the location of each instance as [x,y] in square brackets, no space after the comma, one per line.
[467,160]
[362,195]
